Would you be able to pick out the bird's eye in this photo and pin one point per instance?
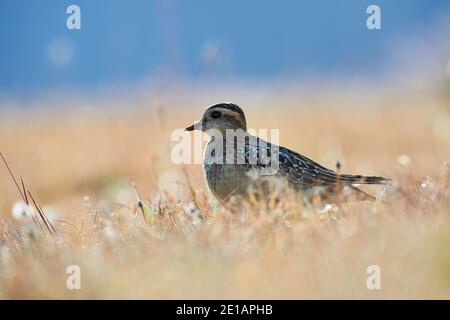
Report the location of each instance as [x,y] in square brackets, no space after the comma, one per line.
[215,114]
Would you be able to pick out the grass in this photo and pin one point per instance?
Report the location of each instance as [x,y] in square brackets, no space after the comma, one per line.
[82,170]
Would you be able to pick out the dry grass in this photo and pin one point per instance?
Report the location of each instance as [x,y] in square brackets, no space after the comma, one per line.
[80,167]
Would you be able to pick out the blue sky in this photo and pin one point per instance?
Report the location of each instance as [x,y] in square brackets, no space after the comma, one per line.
[124,42]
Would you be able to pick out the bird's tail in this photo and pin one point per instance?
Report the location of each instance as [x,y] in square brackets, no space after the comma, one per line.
[358,179]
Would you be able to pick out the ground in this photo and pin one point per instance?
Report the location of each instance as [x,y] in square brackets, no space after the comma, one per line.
[84,166]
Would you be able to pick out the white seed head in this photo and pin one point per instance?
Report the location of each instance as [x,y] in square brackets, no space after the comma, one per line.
[21,210]
[404,160]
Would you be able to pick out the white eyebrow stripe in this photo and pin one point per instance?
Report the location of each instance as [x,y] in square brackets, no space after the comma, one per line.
[225,111]
[236,115]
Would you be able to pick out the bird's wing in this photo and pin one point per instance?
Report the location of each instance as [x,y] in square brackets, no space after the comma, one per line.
[302,171]
[299,169]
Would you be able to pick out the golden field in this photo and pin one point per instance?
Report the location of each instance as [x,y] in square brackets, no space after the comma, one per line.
[82,164]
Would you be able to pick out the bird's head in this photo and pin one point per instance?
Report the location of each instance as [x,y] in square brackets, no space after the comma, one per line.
[221,117]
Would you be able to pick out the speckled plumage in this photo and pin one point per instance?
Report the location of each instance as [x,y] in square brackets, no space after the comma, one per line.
[252,160]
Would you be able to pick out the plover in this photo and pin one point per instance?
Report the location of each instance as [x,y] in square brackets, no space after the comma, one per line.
[238,164]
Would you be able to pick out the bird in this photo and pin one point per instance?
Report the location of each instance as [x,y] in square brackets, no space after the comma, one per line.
[241,166]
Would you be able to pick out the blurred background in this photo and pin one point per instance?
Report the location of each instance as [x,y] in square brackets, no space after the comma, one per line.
[154,42]
[137,70]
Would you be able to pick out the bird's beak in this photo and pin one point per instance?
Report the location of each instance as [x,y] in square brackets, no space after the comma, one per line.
[195,126]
